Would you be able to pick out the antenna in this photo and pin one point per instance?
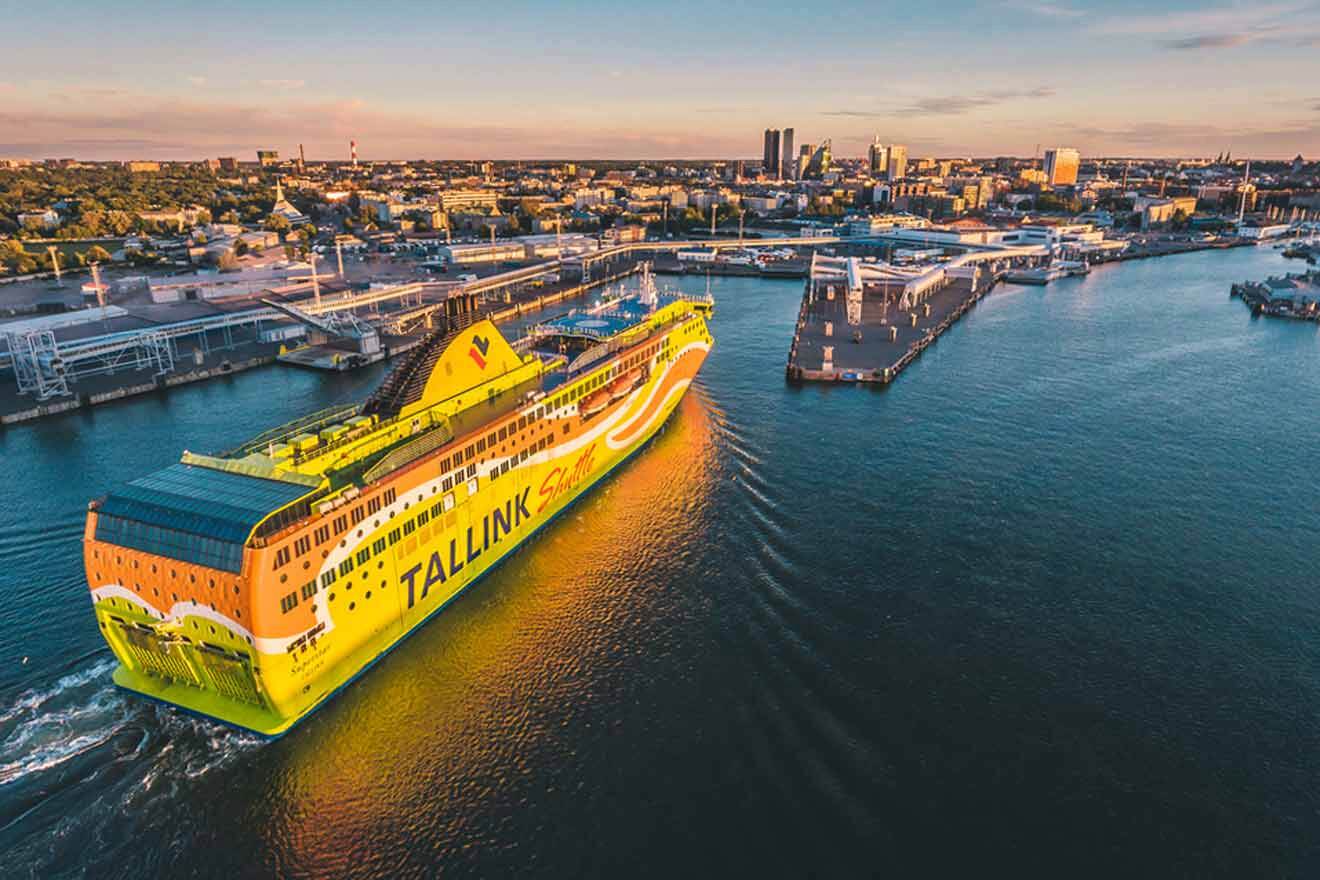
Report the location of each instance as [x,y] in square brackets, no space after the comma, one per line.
[352,152]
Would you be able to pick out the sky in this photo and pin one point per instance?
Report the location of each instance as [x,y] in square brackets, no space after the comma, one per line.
[672,79]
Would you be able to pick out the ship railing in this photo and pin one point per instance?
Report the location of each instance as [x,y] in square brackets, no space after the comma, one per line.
[307,424]
[409,452]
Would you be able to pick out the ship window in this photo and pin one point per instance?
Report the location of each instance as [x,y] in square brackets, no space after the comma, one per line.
[341,523]
[409,527]
[363,555]
[423,517]
[322,534]
[394,537]
[281,557]
[346,566]
[302,545]
[378,546]
[358,515]
[373,505]
[565,430]
[389,496]
[468,453]
[472,470]
[472,486]
[494,472]
[504,433]
[447,484]
[490,440]
[481,445]
[436,509]
[449,501]
[289,602]
[309,589]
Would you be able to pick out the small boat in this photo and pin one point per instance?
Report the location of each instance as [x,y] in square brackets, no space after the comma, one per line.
[625,383]
[594,402]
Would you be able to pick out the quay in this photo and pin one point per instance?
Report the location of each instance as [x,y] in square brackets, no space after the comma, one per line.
[1295,296]
[131,362]
[867,321]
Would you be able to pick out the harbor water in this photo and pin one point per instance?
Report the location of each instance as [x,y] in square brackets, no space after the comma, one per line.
[1048,604]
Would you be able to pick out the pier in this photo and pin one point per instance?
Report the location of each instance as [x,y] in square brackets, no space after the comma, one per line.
[1295,296]
[867,321]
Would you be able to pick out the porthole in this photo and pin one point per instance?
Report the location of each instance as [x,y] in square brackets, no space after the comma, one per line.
[352,605]
[368,594]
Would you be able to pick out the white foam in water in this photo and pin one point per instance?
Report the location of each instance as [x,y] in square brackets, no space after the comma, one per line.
[46,727]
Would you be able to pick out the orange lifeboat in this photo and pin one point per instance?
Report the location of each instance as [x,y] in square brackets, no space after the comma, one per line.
[625,383]
[594,402]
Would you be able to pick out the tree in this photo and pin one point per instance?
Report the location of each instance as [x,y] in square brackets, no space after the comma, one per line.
[97,254]
[278,223]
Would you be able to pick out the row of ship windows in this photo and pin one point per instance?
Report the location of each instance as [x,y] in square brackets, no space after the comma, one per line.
[341,523]
[291,600]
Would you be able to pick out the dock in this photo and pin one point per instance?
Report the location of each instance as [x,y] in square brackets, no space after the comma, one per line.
[1295,296]
[867,321]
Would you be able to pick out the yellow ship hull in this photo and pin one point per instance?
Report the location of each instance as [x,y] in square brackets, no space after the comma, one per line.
[266,648]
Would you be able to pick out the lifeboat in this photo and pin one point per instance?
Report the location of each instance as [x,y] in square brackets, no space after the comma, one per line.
[594,402]
[625,383]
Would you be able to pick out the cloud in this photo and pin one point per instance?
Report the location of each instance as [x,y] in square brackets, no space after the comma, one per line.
[1214,20]
[1222,27]
[1046,9]
[196,80]
[947,105]
[286,84]
[143,126]
[1209,41]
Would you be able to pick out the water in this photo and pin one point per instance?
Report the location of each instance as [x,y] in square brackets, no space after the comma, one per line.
[1047,604]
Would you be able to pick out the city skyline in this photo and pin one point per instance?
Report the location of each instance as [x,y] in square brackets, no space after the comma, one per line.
[608,82]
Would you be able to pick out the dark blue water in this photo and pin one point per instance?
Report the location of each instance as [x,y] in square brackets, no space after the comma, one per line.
[1048,605]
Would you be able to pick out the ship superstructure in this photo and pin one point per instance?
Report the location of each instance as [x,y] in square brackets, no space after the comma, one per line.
[250,586]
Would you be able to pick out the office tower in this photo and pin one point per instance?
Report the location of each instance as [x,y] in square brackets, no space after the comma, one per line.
[878,156]
[804,159]
[897,168]
[786,168]
[770,160]
[819,163]
[1061,166]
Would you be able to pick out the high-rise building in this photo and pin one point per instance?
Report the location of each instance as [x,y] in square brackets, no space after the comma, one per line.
[819,164]
[897,166]
[878,156]
[786,166]
[1061,166]
[770,159]
[803,160]
[266,158]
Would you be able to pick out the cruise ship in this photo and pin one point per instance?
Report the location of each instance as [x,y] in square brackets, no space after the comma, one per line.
[250,586]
